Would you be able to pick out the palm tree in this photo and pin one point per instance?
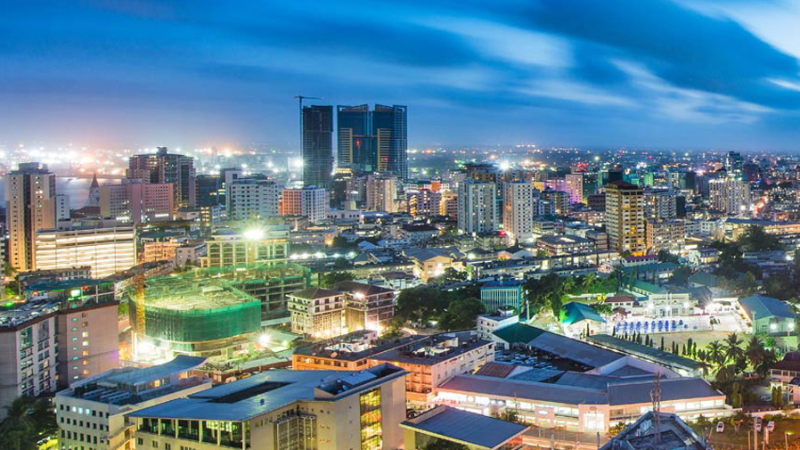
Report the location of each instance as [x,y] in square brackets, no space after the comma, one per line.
[755,351]
[715,352]
[769,358]
[733,350]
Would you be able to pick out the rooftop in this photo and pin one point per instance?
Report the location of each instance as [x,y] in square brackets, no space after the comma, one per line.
[338,347]
[759,307]
[575,312]
[465,427]
[248,398]
[361,288]
[641,435]
[434,349]
[652,353]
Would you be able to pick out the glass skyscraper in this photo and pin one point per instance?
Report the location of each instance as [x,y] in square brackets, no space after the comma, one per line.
[317,145]
[373,140]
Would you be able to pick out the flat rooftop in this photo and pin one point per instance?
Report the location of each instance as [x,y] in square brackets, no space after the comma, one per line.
[21,313]
[180,293]
[434,349]
[248,398]
[322,350]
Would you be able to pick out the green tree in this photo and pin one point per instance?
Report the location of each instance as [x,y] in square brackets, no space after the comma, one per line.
[680,276]
[331,278]
[28,420]
[461,314]
[755,239]
[421,304]
[716,352]
[733,349]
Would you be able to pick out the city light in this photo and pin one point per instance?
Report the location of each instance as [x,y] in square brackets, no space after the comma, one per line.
[254,234]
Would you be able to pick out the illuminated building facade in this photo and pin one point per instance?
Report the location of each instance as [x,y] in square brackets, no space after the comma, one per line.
[107,247]
[30,200]
[137,202]
[266,245]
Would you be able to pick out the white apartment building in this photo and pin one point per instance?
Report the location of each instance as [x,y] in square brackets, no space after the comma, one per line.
[248,198]
[308,202]
[107,247]
[137,202]
[730,195]
[477,207]
[381,193]
[518,211]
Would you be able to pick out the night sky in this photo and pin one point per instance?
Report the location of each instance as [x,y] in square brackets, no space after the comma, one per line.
[693,74]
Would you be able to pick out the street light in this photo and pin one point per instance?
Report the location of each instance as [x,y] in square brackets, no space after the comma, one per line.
[254,234]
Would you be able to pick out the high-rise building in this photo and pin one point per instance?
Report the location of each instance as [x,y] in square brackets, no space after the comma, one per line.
[669,235]
[137,202]
[729,194]
[252,198]
[163,167]
[625,217]
[661,205]
[209,190]
[31,206]
[308,202]
[734,163]
[477,207]
[573,184]
[373,141]
[107,247]
[317,146]
[381,191]
[424,203]
[518,211]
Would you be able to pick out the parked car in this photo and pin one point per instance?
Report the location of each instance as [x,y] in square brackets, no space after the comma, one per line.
[758,423]
[720,427]
[771,426]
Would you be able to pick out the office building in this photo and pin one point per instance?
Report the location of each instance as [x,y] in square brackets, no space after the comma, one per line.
[477,207]
[163,167]
[268,244]
[308,202]
[317,146]
[625,218]
[500,295]
[283,409]
[381,192]
[518,213]
[30,198]
[252,198]
[730,195]
[137,202]
[373,141]
[209,190]
[560,245]
[91,414]
[62,207]
[107,247]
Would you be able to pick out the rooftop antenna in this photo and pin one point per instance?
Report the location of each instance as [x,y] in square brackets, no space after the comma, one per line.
[655,396]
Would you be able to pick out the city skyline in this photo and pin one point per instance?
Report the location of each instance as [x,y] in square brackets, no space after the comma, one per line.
[660,74]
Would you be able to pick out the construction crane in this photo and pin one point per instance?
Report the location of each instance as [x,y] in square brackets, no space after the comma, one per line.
[300,99]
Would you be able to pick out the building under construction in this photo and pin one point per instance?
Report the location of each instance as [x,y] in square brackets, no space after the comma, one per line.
[268,283]
[182,314]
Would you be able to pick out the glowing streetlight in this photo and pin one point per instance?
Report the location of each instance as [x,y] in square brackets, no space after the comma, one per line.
[254,234]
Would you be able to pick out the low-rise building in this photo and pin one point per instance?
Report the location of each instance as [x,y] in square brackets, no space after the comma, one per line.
[443,424]
[767,315]
[564,245]
[488,323]
[503,295]
[91,414]
[283,409]
[436,358]
[317,312]
[366,306]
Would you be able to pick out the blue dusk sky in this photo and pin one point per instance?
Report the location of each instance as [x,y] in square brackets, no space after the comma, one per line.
[591,73]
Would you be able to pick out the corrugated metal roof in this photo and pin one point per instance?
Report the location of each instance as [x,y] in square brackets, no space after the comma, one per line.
[759,307]
[466,427]
[528,390]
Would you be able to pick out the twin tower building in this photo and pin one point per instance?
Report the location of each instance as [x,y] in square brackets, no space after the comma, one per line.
[368,141]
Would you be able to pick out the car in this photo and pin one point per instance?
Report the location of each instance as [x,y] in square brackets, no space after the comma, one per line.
[720,427]
[758,423]
[771,426]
